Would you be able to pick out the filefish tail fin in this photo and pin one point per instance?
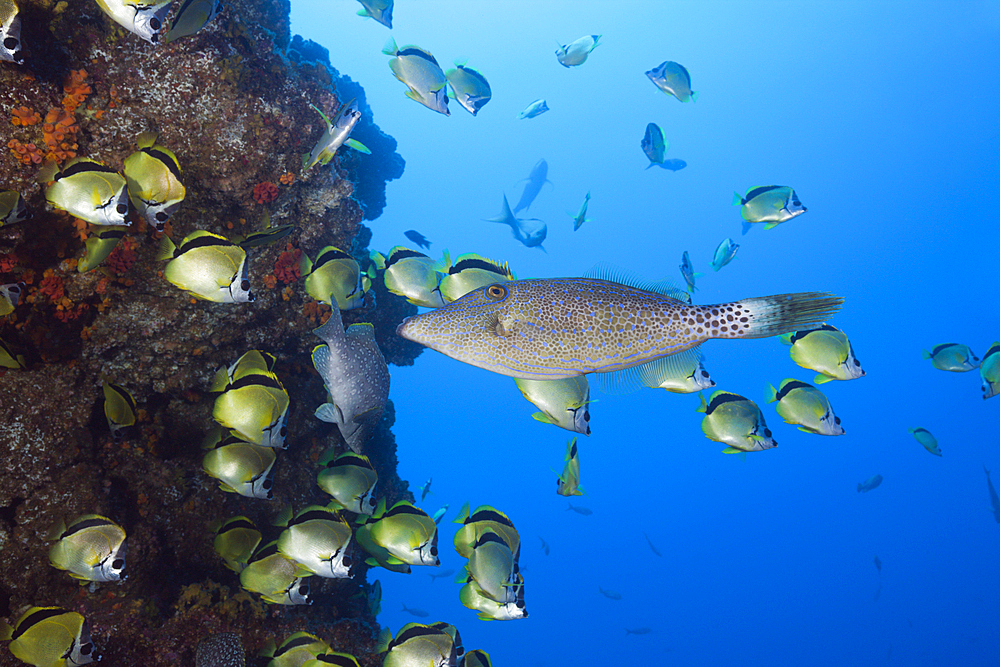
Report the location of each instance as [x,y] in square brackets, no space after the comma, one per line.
[925,354]
[782,313]
[737,199]
[772,393]
[694,96]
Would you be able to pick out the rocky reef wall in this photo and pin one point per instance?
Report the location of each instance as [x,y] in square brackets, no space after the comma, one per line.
[233,103]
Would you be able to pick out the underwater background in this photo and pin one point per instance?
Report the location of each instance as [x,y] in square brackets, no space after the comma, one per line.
[883,117]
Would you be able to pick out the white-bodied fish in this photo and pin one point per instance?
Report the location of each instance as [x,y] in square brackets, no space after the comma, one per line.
[564,403]
[424,79]
[673,78]
[471,271]
[575,53]
[91,548]
[10,34]
[469,87]
[143,18]
[989,370]
[806,406]
[825,349]
[952,357]
[770,204]
[415,276]
[13,208]
[336,134]
[88,190]
[50,637]
[735,421]
[208,266]
[380,10]
[153,175]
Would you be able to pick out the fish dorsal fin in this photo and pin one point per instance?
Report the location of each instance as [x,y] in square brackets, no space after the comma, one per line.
[611,273]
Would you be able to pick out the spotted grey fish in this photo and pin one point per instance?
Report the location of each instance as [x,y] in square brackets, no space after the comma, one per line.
[547,329]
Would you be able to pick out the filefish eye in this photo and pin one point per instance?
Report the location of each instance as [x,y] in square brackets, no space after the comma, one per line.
[117,564]
[767,433]
[122,208]
[347,561]
[836,420]
[266,484]
[434,551]
[161,216]
[496,292]
[304,590]
[857,363]
[10,44]
[244,285]
[586,415]
[519,604]
[704,374]
[86,649]
[371,501]
[154,23]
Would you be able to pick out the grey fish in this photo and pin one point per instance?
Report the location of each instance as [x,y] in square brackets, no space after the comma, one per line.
[869,484]
[536,179]
[994,499]
[673,164]
[419,613]
[530,236]
[878,564]
[417,238]
[545,545]
[611,595]
[356,378]
[637,631]
[585,511]
[652,546]
[537,328]
[440,575]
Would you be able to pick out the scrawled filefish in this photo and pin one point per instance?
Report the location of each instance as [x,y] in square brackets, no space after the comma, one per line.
[553,328]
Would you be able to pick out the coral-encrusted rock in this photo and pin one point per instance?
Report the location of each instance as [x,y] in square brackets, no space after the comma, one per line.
[235,109]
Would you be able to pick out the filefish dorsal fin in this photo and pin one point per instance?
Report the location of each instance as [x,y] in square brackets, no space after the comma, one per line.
[614,274]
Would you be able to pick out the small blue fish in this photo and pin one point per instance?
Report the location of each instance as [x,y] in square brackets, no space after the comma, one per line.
[418,238]
[536,108]
[869,484]
[654,144]
[687,270]
[724,253]
[581,217]
[674,165]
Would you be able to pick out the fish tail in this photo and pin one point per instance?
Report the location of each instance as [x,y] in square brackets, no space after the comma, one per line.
[766,316]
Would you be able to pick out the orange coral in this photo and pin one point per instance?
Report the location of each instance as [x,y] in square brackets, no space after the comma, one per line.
[59,132]
[51,286]
[286,269]
[123,256]
[314,311]
[25,116]
[287,179]
[26,153]
[265,193]
[270,282]
[76,90]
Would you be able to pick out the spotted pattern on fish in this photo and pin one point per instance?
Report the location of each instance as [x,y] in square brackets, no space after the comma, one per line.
[563,327]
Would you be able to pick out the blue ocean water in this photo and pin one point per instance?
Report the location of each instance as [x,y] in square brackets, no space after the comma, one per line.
[883,117]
